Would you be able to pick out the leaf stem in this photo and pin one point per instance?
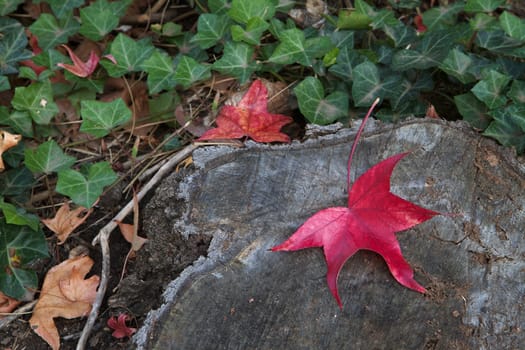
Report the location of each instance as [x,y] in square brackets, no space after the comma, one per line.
[354,145]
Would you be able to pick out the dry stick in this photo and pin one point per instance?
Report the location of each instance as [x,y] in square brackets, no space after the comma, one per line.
[103,239]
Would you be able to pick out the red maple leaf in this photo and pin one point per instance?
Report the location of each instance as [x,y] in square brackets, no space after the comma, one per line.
[120,329]
[250,118]
[369,222]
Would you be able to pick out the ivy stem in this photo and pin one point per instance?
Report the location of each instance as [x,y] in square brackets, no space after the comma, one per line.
[356,140]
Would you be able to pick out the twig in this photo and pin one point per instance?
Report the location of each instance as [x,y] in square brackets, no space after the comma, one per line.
[103,239]
[17,313]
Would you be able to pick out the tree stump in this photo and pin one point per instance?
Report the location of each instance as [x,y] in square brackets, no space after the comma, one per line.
[243,296]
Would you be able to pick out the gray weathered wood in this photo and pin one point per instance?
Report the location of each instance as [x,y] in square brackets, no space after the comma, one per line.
[242,296]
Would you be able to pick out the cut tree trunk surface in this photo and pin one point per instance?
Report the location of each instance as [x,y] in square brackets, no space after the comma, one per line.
[243,296]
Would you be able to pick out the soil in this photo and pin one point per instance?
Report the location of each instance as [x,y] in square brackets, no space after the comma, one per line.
[140,291]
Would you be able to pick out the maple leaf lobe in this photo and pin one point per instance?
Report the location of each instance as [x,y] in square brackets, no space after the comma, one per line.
[369,222]
[250,118]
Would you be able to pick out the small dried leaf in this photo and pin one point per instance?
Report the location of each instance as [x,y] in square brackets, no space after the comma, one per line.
[7,141]
[120,329]
[7,304]
[66,221]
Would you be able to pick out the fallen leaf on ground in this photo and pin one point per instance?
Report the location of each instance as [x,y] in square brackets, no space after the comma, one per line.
[66,221]
[80,68]
[369,222]
[249,118]
[65,293]
[130,235]
[7,304]
[7,141]
[120,329]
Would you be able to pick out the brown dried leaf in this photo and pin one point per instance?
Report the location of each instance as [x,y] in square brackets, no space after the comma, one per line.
[7,141]
[66,221]
[129,234]
[7,304]
[65,293]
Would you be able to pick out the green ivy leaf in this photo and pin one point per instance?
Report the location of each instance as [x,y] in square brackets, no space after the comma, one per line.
[37,99]
[483,5]
[84,189]
[237,60]
[16,182]
[430,52]
[482,21]
[242,11]
[400,34]
[211,28]
[190,71]
[62,8]
[497,41]
[47,158]
[458,65]
[253,32]
[346,60]
[295,48]
[129,54]
[12,45]
[99,118]
[367,84]
[442,17]
[8,6]
[4,83]
[517,91]
[508,127]
[351,19]
[473,110]
[161,74]
[490,89]
[318,108]
[20,122]
[512,25]
[406,90]
[219,6]
[18,216]
[19,246]
[51,32]
[98,20]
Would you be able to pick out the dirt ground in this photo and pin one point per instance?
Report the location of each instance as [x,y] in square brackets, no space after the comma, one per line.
[140,292]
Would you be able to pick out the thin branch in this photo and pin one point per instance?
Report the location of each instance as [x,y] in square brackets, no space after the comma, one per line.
[103,239]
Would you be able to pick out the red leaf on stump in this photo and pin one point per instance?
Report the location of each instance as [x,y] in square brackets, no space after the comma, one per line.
[370,222]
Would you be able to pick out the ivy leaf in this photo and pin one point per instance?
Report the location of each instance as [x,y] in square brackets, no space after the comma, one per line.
[253,32]
[37,99]
[406,90]
[508,127]
[242,11]
[512,25]
[430,52]
[483,5]
[490,89]
[47,158]
[19,246]
[473,110]
[161,75]
[346,60]
[129,55]
[12,45]
[350,19]
[367,84]
[16,182]
[99,117]
[98,19]
[237,60]
[18,216]
[62,8]
[84,189]
[8,6]
[295,48]
[517,91]
[318,108]
[211,28]
[497,41]
[458,65]
[190,71]
[442,17]
[51,32]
